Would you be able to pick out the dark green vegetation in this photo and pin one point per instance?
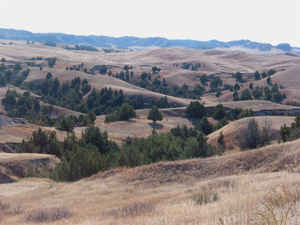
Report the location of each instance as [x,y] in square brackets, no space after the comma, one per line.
[94,152]
[155,115]
[253,136]
[199,114]
[12,74]
[261,93]
[292,132]
[125,113]
[71,95]
[29,107]
[190,66]
[82,48]
[271,92]
[76,95]
[153,82]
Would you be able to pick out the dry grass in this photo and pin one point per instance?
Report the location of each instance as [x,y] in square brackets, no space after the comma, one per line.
[162,194]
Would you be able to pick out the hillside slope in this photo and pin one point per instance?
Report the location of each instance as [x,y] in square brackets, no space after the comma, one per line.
[163,193]
[15,166]
[232,132]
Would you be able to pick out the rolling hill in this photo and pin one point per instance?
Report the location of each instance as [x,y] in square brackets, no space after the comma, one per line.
[164,193]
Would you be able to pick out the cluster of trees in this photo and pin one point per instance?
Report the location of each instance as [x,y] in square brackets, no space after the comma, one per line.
[270,92]
[68,94]
[82,48]
[155,70]
[51,61]
[78,67]
[261,93]
[37,58]
[125,113]
[215,84]
[289,133]
[102,69]
[253,136]
[67,123]
[79,157]
[190,66]
[199,114]
[12,74]
[94,152]
[154,82]
[155,115]
[269,73]
[71,95]
[21,105]
[29,107]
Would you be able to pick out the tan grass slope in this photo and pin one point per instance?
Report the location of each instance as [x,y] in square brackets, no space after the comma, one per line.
[165,193]
[232,131]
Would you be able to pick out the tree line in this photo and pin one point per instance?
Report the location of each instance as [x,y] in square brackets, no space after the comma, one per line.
[94,152]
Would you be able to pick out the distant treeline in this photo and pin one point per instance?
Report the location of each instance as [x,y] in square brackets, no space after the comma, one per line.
[127,42]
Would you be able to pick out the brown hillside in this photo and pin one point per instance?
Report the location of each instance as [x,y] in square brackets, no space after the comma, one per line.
[163,193]
[232,131]
[15,166]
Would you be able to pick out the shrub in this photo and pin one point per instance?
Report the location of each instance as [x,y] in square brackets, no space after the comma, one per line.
[48,215]
[132,210]
[205,197]
[4,206]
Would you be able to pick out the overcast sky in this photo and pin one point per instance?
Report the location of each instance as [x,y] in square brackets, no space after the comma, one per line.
[272,21]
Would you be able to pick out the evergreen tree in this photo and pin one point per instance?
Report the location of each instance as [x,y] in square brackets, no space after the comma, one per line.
[155,115]
[195,110]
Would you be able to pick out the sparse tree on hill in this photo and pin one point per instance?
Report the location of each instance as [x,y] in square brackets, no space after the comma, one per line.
[127,112]
[195,110]
[257,76]
[221,142]
[155,115]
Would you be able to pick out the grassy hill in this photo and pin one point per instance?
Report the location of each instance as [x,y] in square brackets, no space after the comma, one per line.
[165,193]
[232,131]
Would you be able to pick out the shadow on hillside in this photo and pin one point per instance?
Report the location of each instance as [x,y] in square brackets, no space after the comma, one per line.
[156,126]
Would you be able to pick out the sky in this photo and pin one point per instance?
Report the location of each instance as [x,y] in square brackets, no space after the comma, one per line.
[270,21]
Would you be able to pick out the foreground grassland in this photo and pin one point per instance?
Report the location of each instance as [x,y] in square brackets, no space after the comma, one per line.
[232,189]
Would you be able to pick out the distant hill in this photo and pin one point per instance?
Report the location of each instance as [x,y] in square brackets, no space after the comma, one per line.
[128,42]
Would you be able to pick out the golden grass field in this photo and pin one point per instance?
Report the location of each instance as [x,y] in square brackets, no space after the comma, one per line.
[168,193]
